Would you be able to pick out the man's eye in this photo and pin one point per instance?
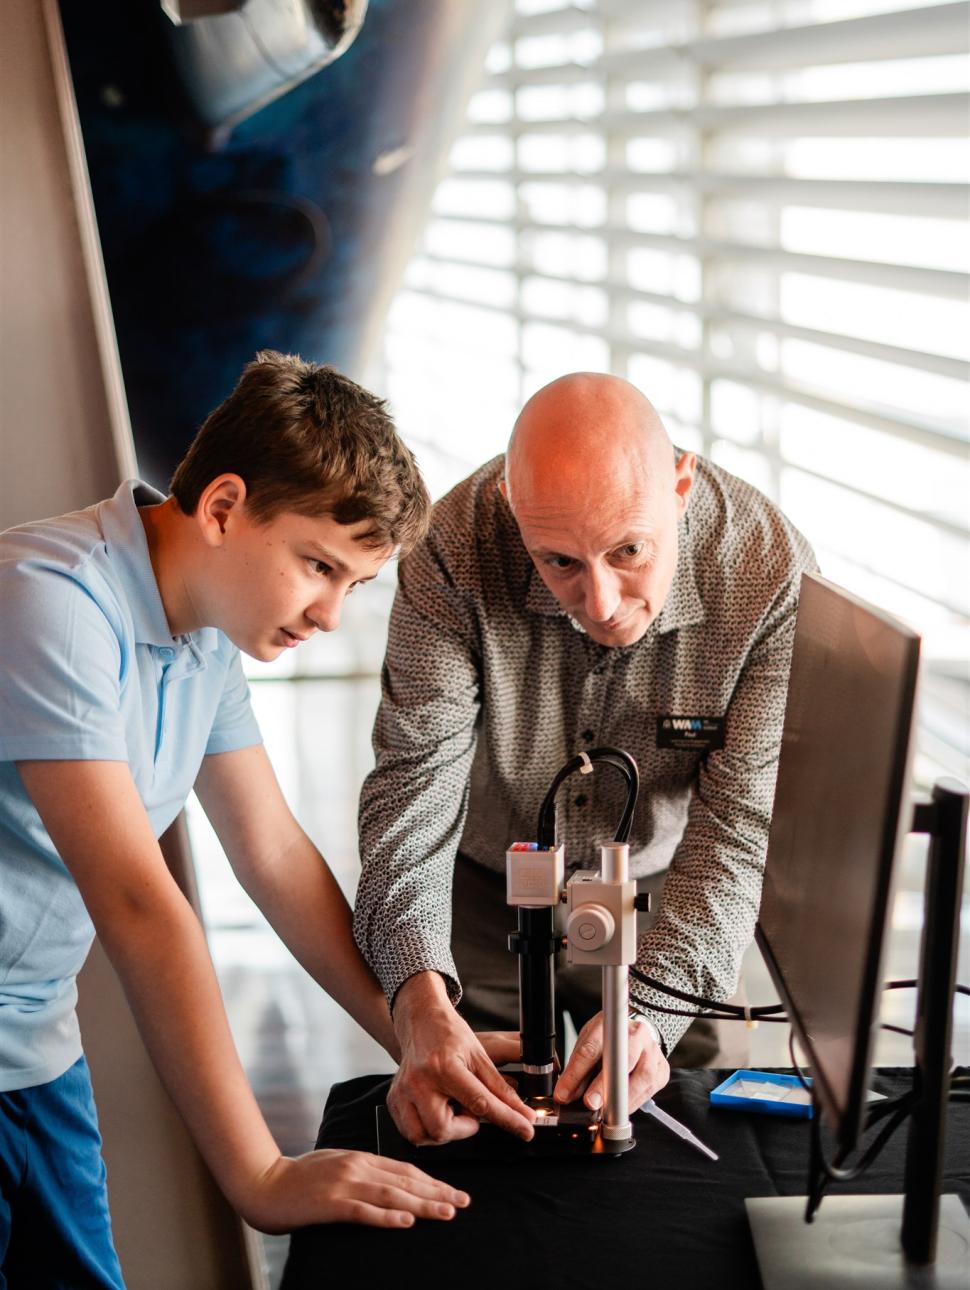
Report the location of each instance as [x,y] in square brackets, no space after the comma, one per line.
[561,562]
[631,549]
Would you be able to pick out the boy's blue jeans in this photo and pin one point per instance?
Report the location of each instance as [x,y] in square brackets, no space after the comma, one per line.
[55,1230]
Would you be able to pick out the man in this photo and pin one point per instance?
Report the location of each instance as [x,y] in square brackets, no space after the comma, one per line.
[595,588]
[121,690]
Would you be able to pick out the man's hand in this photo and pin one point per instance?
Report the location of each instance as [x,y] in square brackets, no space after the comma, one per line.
[443,1062]
[502,1046]
[347,1187]
[649,1070]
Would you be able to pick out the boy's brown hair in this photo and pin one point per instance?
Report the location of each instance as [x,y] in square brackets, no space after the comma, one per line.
[305,438]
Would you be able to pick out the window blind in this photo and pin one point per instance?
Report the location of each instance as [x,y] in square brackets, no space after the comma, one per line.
[756,211]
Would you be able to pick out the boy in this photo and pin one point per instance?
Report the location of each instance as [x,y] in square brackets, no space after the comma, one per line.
[120,690]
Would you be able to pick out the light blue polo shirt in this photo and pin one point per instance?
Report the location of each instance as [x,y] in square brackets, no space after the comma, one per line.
[89,670]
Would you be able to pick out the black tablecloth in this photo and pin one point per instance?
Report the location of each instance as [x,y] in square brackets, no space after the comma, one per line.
[662,1215]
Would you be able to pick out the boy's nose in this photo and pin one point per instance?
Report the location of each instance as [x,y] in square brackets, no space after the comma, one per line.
[325,613]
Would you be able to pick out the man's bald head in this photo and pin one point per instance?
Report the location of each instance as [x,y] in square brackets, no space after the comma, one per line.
[593,484]
[585,430]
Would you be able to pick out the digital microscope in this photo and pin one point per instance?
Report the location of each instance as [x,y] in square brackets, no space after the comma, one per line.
[600,931]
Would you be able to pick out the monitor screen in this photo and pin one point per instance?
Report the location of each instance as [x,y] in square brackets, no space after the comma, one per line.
[837,821]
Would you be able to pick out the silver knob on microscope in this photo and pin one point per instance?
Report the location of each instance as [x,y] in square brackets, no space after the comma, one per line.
[590,927]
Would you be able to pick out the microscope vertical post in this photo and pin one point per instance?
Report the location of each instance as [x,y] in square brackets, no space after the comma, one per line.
[615,868]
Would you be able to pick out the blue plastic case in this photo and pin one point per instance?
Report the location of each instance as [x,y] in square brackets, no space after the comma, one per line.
[765,1093]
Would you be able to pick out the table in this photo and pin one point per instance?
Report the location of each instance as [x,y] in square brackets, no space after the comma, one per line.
[660,1216]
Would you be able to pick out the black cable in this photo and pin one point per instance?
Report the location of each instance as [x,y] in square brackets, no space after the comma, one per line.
[727,1010]
[824,1171]
[913,984]
[719,1016]
[876,1112]
[763,1012]
[897,1112]
[802,1077]
[615,757]
[708,1016]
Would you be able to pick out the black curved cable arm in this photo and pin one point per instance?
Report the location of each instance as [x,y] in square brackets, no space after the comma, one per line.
[621,761]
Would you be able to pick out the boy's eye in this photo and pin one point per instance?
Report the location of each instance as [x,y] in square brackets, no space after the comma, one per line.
[320,566]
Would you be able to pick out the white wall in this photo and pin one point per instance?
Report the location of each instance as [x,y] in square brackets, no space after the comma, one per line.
[64,435]
[65,442]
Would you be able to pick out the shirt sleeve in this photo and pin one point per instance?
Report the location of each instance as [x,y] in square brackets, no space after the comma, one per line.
[712,891]
[413,804]
[61,660]
[235,726]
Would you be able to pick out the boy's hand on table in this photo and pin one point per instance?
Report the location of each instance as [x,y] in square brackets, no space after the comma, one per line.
[98,824]
[347,1187]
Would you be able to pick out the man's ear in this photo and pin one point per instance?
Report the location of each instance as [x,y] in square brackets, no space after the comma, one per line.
[220,503]
[684,479]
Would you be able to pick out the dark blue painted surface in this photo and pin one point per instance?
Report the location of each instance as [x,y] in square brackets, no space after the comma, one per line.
[280,239]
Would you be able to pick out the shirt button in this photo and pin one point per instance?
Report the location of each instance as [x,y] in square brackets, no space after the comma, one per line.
[588,736]
[580,799]
[166,652]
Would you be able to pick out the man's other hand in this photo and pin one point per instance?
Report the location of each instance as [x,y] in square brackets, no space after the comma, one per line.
[502,1046]
[649,1070]
[447,1082]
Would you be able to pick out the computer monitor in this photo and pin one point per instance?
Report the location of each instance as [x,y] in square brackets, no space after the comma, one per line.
[841,809]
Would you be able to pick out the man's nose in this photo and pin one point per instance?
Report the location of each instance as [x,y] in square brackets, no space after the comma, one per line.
[602,594]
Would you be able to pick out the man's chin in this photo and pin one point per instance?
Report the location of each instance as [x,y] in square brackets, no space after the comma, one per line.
[627,632]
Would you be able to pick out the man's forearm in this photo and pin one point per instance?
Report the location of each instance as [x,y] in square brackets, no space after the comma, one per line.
[710,903]
[421,995]
[413,803]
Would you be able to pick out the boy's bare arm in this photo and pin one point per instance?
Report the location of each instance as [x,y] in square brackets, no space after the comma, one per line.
[290,881]
[98,824]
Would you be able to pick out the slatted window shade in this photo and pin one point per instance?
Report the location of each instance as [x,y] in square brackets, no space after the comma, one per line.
[757,213]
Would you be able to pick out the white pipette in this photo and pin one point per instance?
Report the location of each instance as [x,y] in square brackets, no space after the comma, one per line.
[651,1108]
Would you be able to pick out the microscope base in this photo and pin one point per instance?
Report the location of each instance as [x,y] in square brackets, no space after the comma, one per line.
[571,1131]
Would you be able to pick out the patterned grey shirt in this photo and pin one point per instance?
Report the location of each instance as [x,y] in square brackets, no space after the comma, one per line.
[488,688]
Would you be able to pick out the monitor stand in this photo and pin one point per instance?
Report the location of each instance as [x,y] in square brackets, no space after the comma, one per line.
[888,1242]
[853,1243]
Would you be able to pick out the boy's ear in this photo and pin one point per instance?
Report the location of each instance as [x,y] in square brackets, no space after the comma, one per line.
[220,502]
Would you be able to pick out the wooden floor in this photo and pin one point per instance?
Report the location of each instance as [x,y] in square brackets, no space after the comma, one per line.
[293,1040]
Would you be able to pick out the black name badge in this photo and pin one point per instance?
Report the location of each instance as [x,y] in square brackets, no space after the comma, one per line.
[691,734]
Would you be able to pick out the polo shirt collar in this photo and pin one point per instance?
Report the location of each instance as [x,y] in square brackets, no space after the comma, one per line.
[538,598]
[682,608]
[127,545]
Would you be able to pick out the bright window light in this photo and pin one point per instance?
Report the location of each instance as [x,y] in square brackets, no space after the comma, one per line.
[755,210]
